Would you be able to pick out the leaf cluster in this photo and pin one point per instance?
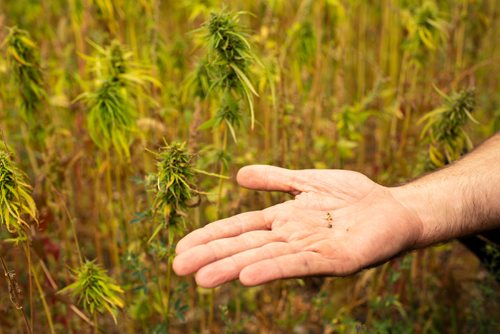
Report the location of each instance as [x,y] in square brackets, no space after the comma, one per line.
[303,44]
[22,53]
[15,198]
[426,30]
[229,56]
[228,113]
[174,176]
[111,118]
[198,81]
[351,119]
[445,126]
[114,62]
[95,289]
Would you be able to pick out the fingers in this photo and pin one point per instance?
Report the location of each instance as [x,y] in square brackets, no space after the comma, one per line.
[285,266]
[263,177]
[225,228]
[199,256]
[228,269]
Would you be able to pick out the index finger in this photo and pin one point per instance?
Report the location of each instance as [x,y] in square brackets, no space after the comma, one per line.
[270,178]
[226,228]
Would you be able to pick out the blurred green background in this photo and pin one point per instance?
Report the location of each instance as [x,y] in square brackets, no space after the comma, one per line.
[97,95]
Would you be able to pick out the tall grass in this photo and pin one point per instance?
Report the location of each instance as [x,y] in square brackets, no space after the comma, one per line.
[390,88]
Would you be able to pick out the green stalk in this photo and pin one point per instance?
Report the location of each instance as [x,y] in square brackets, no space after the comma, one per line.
[211,305]
[44,302]
[96,324]
[29,150]
[96,214]
[73,228]
[163,299]
[170,234]
[30,283]
[114,229]
[221,172]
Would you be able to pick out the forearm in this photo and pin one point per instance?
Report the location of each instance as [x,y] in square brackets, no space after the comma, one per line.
[461,199]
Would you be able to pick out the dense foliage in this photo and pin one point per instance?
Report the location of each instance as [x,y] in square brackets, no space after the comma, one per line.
[123,123]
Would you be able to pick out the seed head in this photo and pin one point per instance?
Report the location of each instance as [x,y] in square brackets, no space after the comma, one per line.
[15,198]
[111,119]
[230,56]
[95,289]
[27,72]
[174,177]
[444,127]
[426,30]
[457,109]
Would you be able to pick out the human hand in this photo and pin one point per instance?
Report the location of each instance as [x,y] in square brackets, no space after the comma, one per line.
[339,223]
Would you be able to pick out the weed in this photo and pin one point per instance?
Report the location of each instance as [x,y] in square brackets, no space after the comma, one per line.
[341,84]
[27,72]
[95,290]
[444,125]
[229,58]
[15,198]
[174,177]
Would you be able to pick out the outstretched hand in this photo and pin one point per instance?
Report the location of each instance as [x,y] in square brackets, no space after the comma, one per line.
[339,223]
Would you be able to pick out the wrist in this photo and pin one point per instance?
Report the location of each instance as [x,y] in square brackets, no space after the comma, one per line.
[450,204]
[435,212]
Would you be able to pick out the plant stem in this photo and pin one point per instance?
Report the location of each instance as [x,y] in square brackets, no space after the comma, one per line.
[72,223]
[221,172]
[96,327]
[219,214]
[30,284]
[114,230]
[21,309]
[169,273]
[96,214]
[44,302]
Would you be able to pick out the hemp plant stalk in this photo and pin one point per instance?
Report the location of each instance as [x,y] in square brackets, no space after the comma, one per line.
[22,53]
[15,203]
[112,116]
[228,62]
[173,189]
[426,34]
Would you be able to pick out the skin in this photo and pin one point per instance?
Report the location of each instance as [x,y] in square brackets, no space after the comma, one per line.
[370,223]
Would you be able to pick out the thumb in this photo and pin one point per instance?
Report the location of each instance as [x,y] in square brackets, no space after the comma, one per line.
[271,178]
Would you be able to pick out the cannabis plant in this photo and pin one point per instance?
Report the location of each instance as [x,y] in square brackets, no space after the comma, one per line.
[22,52]
[444,127]
[95,290]
[16,202]
[111,119]
[230,57]
[228,113]
[197,83]
[304,46]
[174,178]
[350,121]
[426,30]
[172,184]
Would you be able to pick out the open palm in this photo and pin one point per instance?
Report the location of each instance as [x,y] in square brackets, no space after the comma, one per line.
[339,223]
